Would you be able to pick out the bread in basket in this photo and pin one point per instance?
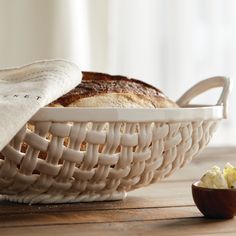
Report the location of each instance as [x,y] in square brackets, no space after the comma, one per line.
[78,154]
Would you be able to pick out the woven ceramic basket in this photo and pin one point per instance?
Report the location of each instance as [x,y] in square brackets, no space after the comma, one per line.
[82,155]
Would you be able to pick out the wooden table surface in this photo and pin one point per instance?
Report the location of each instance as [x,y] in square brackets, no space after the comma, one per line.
[165,208]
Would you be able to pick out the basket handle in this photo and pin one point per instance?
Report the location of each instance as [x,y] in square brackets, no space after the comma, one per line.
[205,85]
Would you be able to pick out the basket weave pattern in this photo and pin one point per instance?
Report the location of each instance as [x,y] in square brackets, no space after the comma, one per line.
[94,161]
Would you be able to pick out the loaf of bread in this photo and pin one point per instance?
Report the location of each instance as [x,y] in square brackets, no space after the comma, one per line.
[104,90]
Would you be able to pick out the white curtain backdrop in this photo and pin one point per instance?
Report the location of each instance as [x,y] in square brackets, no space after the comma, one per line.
[168,43]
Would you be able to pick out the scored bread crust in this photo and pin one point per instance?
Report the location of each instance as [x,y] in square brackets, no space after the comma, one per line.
[104,90]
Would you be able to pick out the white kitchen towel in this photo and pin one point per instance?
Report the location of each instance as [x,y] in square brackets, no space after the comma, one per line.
[24,90]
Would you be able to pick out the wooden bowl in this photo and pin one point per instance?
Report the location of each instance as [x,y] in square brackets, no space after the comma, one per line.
[215,203]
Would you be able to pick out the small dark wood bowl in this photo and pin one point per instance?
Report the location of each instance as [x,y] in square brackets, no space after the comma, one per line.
[215,203]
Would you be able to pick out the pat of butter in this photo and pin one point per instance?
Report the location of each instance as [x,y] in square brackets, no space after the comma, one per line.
[215,178]
[230,175]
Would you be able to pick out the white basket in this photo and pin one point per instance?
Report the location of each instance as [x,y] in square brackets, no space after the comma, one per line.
[109,151]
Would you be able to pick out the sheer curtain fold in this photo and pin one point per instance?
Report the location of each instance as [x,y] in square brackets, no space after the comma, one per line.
[170,44]
[41,29]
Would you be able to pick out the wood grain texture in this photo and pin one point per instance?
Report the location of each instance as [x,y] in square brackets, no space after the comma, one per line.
[165,208]
[189,226]
[101,216]
[136,200]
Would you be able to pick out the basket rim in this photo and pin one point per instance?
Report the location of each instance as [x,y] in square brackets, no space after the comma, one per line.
[79,114]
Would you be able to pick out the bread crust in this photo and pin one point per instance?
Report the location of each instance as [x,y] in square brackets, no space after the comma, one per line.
[104,90]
